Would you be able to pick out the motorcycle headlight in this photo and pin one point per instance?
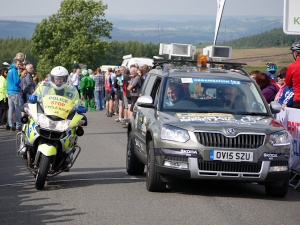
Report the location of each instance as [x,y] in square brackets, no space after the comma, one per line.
[62,125]
[281,138]
[174,134]
[45,122]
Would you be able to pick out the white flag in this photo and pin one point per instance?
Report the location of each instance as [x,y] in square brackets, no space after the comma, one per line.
[221,4]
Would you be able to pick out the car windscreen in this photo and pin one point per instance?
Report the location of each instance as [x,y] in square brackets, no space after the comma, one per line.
[212,95]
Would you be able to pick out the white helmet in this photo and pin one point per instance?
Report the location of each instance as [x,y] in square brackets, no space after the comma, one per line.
[59,73]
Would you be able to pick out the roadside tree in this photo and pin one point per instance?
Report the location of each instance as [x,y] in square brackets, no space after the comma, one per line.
[73,33]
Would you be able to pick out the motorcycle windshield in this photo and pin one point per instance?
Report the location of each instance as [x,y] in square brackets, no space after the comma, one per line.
[55,105]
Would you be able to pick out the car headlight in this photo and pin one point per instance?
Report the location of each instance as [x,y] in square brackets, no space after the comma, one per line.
[281,138]
[45,122]
[174,134]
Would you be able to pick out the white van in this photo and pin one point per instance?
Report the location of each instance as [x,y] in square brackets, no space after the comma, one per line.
[128,60]
[105,67]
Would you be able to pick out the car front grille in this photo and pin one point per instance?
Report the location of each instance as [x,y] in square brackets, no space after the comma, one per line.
[177,158]
[242,141]
[229,166]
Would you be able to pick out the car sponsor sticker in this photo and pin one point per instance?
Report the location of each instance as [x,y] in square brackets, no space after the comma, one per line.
[204,115]
[186,80]
[220,118]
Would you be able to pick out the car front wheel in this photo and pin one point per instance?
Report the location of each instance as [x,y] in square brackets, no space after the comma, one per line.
[278,191]
[154,182]
[133,165]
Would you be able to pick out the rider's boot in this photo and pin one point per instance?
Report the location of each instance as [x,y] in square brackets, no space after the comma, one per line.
[92,105]
[86,104]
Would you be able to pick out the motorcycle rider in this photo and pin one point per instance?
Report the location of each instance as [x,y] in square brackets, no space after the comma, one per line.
[58,85]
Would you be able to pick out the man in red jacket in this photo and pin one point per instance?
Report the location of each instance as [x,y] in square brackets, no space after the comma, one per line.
[292,77]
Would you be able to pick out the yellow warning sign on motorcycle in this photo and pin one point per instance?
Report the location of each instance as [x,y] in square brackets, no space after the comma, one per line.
[55,105]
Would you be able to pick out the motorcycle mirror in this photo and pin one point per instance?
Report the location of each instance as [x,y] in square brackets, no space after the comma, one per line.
[24,119]
[79,131]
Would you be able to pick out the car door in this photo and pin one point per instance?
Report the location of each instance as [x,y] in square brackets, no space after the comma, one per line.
[145,116]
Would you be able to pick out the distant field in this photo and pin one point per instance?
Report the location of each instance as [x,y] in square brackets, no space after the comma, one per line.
[257,58]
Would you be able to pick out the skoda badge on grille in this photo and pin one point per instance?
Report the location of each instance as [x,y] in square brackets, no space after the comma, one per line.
[230,131]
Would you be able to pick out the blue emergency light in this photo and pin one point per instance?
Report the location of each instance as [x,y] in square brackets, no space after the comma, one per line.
[81,109]
[32,98]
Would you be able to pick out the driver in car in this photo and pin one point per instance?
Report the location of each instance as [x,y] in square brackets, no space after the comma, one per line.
[172,94]
[232,99]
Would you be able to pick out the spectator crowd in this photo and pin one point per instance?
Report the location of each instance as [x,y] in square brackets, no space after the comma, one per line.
[116,90]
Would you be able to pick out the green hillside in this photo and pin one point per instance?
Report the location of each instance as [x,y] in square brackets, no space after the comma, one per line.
[273,38]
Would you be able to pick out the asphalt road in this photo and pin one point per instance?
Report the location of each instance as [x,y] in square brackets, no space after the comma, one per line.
[97,190]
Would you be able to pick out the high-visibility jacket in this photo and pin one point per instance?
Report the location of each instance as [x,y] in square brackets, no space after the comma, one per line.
[47,89]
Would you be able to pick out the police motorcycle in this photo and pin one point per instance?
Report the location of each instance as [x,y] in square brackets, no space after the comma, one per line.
[47,143]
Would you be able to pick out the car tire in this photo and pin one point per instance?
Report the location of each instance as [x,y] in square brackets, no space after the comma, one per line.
[133,165]
[277,191]
[154,182]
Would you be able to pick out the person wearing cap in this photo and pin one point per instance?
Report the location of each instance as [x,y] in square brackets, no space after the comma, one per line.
[292,77]
[271,70]
[6,64]
[281,83]
[75,66]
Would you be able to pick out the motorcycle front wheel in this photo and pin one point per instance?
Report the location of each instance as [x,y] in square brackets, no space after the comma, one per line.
[42,172]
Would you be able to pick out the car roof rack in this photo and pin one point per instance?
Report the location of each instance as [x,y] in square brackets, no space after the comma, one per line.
[164,64]
[182,62]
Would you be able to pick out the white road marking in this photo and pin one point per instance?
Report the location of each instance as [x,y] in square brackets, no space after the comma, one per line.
[70,180]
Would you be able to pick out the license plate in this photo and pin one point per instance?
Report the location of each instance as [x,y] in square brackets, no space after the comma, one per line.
[230,156]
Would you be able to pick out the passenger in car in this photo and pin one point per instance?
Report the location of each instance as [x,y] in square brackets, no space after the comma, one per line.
[232,98]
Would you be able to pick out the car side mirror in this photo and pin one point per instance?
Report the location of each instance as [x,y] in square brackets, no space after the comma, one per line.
[145,101]
[275,107]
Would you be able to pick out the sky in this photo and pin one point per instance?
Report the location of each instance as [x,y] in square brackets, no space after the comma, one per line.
[27,10]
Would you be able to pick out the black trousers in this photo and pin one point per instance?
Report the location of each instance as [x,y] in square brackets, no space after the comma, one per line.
[3,110]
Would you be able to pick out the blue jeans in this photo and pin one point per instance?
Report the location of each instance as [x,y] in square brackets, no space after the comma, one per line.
[15,102]
[99,98]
